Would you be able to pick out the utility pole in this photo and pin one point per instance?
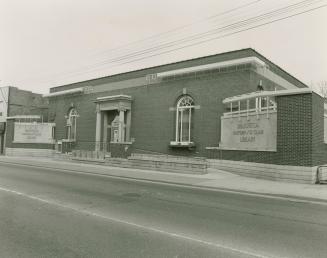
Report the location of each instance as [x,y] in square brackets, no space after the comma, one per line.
[3,96]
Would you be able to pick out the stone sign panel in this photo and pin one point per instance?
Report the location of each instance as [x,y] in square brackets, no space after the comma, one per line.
[255,132]
[33,133]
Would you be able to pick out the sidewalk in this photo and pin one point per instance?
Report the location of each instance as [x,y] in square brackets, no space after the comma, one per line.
[215,179]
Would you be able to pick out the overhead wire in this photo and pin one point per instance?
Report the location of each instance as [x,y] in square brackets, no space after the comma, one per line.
[206,33]
[160,35]
[179,28]
[214,31]
[189,30]
[203,37]
[253,27]
[234,26]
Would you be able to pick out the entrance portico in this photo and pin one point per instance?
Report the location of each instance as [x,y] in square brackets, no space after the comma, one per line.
[113,113]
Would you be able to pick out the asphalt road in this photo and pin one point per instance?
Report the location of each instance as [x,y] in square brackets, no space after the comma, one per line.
[53,213]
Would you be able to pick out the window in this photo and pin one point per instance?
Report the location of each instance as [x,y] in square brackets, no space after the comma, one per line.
[150,78]
[184,124]
[71,124]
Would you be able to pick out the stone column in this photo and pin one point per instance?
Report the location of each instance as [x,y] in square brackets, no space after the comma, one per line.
[128,125]
[121,125]
[98,129]
[105,131]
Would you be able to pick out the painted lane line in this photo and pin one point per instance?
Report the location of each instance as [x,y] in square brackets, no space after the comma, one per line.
[187,186]
[140,226]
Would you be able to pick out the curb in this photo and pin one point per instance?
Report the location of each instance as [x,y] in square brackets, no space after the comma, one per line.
[291,198]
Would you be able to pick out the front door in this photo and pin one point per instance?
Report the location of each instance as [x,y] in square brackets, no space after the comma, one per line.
[111,129]
[107,139]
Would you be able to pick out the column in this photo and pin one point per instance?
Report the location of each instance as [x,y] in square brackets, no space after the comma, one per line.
[105,131]
[98,129]
[121,125]
[128,125]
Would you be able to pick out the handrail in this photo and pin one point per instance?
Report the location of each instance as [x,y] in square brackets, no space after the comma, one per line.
[251,111]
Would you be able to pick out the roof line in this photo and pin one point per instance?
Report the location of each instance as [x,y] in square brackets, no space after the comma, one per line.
[157,66]
[279,67]
[179,62]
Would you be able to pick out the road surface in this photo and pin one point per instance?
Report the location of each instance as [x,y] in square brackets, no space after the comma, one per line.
[54,213]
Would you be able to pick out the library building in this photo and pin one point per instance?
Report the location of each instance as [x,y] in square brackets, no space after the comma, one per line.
[236,111]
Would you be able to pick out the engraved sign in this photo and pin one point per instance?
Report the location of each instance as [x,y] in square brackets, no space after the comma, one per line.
[255,132]
[33,133]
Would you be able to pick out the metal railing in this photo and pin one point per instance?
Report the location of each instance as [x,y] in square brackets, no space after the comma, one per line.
[69,146]
[250,106]
[88,155]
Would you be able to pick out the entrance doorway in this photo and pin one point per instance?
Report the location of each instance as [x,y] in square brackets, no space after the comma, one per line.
[110,128]
[113,121]
[2,140]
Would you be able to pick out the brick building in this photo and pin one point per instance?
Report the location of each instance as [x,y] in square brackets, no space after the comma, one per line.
[16,102]
[236,106]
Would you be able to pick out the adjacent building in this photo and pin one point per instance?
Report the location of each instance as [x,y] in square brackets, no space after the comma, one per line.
[20,105]
[4,97]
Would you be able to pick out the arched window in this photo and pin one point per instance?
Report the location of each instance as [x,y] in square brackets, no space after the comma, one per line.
[184,124]
[71,124]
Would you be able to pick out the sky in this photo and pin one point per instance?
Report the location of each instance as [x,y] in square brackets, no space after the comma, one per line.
[48,43]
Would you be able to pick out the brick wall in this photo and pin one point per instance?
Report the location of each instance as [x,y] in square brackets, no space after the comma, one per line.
[295,135]
[299,120]
[153,124]
[23,102]
[319,148]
